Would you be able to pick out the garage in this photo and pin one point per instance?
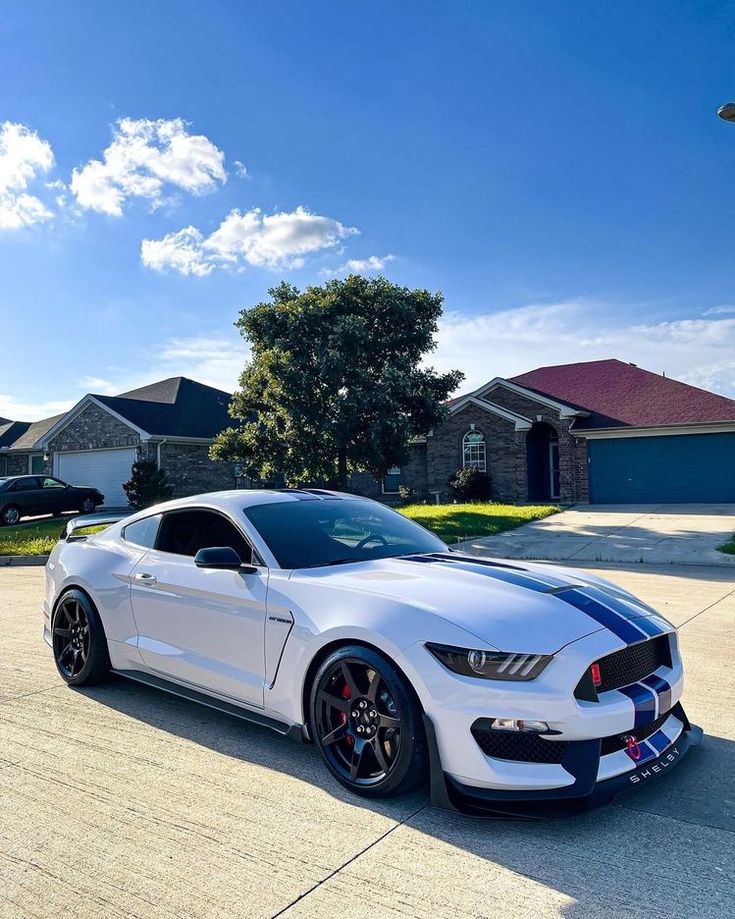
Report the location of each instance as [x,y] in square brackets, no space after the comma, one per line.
[676,469]
[103,469]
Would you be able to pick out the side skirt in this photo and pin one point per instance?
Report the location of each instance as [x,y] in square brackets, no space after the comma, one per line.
[292,731]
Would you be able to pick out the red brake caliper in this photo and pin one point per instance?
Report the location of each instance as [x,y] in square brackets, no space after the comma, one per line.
[346,694]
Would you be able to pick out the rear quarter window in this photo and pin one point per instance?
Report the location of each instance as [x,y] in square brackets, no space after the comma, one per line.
[143,532]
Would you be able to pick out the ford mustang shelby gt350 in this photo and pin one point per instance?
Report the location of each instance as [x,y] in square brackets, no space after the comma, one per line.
[519,689]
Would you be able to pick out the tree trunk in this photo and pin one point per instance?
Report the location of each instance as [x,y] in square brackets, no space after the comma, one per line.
[342,469]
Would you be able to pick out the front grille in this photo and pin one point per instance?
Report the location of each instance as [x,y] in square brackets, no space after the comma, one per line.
[621,668]
[618,742]
[522,748]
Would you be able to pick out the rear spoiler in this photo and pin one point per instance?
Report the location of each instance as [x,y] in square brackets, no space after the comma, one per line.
[82,521]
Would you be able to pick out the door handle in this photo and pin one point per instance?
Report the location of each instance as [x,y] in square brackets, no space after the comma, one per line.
[147,580]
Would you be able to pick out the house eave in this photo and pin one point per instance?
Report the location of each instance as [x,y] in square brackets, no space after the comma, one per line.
[660,430]
[565,411]
[520,422]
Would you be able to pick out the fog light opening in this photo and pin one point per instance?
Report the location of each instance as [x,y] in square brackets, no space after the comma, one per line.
[519,724]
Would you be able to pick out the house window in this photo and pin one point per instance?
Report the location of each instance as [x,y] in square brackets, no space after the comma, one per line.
[37,465]
[392,481]
[473,451]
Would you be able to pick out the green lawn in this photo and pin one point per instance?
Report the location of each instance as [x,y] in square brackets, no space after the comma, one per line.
[728,547]
[451,522]
[455,522]
[38,537]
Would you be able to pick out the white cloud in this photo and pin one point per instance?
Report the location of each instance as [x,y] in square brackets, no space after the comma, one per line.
[698,350]
[216,360]
[719,311]
[180,251]
[144,157]
[23,157]
[241,170]
[15,410]
[280,240]
[361,265]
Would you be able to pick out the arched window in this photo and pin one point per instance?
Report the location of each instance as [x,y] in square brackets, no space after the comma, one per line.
[473,451]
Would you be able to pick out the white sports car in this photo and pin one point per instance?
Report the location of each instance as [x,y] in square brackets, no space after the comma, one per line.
[519,689]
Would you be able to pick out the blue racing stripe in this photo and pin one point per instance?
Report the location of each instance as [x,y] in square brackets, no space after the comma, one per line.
[662,689]
[649,626]
[627,610]
[644,700]
[580,599]
[647,752]
[659,741]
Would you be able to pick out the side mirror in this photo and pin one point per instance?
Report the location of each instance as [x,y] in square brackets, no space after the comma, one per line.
[221,557]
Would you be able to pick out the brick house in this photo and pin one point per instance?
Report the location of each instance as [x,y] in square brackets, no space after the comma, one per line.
[600,431]
[96,442]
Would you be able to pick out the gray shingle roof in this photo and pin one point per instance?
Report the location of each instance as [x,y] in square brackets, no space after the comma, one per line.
[176,407]
[30,432]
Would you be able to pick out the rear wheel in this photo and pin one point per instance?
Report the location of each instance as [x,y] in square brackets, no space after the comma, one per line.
[87,506]
[79,643]
[10,515]
[367,723]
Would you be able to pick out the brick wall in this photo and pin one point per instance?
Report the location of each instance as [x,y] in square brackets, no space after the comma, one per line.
[505,451]
[94,429]
[18,464]
[190,470]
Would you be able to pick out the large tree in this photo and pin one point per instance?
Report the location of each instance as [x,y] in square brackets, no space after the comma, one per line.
[335,382]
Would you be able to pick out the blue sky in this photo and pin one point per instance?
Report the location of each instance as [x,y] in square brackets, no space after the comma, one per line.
[556,170]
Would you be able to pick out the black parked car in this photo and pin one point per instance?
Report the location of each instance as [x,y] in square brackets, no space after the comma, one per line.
[31,495]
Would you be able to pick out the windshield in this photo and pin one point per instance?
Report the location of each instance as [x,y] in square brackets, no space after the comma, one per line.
[309,533]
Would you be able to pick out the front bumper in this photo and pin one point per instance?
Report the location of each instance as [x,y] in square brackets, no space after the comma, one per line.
[582,762]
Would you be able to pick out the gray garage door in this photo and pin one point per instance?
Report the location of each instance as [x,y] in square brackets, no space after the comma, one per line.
[683,468]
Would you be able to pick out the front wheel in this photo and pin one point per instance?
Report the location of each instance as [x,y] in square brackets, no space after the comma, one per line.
[367,723]
[88,506]
[78,639]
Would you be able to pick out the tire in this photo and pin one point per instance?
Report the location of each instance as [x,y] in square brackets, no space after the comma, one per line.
[88,506]
[78,640]
[10,515]
[367,723]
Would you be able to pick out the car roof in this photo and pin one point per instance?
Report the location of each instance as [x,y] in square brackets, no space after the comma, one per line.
[238,499]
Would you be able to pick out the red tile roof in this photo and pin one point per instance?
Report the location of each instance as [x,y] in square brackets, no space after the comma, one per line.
[619,393]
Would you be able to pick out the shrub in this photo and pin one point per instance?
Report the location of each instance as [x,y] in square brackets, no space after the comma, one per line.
[410,495]
[470,485]
[148,485]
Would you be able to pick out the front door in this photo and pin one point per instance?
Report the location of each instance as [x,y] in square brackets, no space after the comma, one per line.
[201,627]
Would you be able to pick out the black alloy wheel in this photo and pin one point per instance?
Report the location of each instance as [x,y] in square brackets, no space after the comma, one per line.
[10,515]
[367,723]
[88,506]
[79,643]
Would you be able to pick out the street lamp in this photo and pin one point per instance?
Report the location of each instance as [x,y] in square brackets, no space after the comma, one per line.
[727,111]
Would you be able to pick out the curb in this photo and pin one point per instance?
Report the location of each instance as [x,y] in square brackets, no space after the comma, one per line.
[18,561]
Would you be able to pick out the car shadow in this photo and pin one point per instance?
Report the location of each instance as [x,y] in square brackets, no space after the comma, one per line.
[661,838]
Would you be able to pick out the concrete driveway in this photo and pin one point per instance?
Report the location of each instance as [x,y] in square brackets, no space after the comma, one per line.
[119,801]
[662,534]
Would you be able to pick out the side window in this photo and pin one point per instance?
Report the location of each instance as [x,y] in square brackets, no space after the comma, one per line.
[51,483]
[186,532]
[143,532]
[25,485]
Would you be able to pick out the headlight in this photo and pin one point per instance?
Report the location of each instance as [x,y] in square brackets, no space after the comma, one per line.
[490,665]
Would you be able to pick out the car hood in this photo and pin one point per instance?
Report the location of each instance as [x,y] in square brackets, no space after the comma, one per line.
[512,607]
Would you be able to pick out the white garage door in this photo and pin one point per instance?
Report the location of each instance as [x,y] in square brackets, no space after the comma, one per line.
[103,469]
